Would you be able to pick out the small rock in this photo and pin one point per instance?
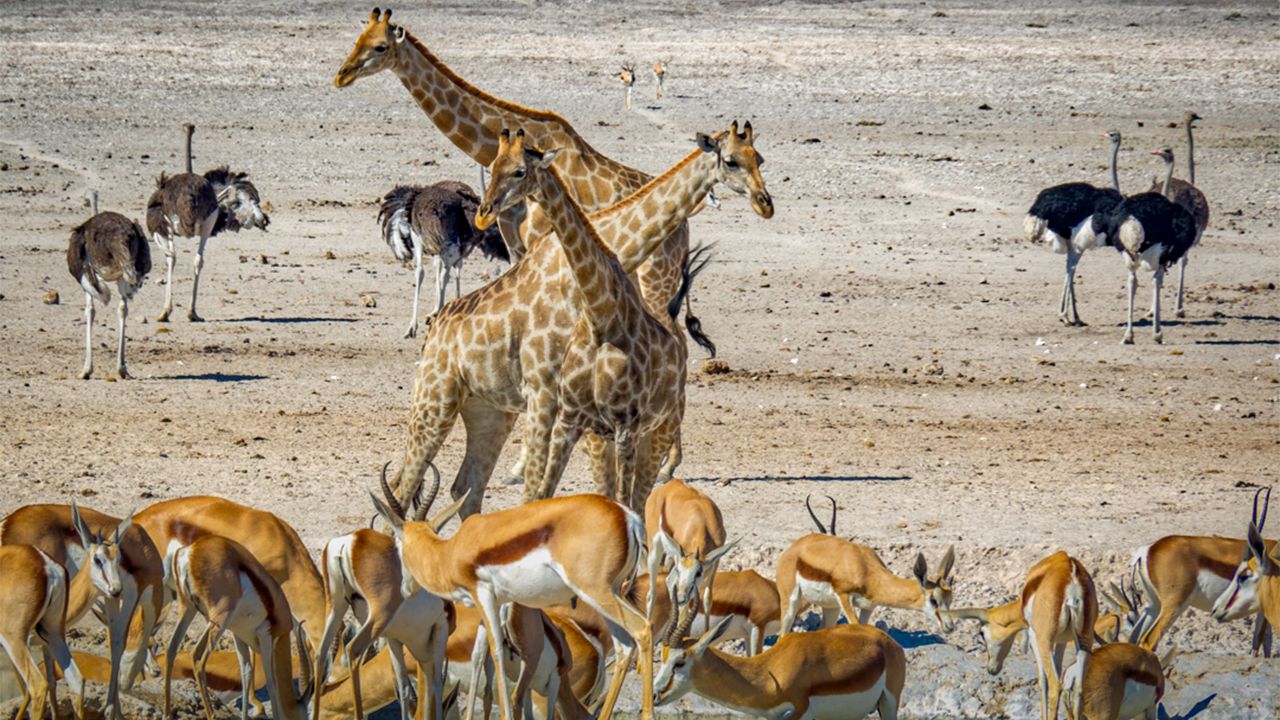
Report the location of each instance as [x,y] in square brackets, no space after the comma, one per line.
[51,298]
[328,255]
[368,300]
[715,367]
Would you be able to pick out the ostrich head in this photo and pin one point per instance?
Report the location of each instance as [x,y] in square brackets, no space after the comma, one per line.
[375,49]
[1190,117]
[1165,153]
[1113,136]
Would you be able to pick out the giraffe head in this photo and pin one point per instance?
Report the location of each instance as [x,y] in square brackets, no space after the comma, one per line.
[375,49]
[739,165]
[511,176]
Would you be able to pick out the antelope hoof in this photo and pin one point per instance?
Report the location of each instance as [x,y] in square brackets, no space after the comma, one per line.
[1159,338]
[1180,313]
[193,317]
[512,479]
[86,373]
[1128,339]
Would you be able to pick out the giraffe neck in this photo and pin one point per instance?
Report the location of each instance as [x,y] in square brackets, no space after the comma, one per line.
[660,206]
[601,282]
[472,120]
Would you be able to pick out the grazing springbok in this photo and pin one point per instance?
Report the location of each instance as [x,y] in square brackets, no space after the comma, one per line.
[839,575]
[1256,581]
[746,598]
[104,558]
[1182,571]
[33,600]
[363,572]
[843,673]
[684,528]
[1121,681]
[538,554]
[1057,605]
[221,580]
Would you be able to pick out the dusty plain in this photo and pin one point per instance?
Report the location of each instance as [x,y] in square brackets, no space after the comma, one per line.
[890,337]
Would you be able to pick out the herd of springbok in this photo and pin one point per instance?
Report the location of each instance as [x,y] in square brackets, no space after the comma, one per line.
[544,605]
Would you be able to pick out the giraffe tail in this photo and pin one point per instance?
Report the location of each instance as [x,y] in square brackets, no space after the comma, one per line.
[694,263]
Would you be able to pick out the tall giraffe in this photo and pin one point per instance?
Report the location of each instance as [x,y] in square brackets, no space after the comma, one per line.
[496,352]
[623,371]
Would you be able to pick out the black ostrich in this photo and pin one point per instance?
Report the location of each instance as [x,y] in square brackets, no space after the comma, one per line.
[107,248]
[1186,194]
[1060,216]
[436,220]
[1153,233]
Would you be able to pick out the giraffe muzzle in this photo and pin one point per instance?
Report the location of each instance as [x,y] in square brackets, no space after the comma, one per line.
[762,203]
[485,217]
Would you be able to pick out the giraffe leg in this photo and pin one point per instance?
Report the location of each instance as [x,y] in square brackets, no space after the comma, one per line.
[87,371]
[675,456]
[628,477]
[655,448]
[487,430]
[198,263]
[437,402]
[604,467]
[165,243]
[418,273]
[540,421]
[515,475]
[563,437]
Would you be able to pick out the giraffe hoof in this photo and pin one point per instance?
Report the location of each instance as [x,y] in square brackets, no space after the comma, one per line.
[512,479]
[193,317]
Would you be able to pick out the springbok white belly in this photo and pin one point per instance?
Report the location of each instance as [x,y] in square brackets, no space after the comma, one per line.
[1138,698]
[849,706]
[414,618]
[817,592]
[534,580]
[249,614]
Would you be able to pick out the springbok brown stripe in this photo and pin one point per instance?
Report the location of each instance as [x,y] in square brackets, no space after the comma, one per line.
[721,607]
[515,548]
[867,676]
[809,572]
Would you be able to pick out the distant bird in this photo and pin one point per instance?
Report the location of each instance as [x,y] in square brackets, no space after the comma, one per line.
[659,74]
[436,220]
[1060,216]
[1186,194]
[628,77]
[107,248]
[1152,233]
[191,205]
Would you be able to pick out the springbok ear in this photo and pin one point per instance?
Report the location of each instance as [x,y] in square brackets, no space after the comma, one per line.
[706,143]
[921,568]
[719,552]
[947,563]
[711,636]
[439,521]
[86,537]
[122,528]
[399,33]
[1258,549]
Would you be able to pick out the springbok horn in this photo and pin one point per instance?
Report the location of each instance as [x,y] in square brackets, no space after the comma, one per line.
[814,516]
[392,503]
[1266,504]
[425,505]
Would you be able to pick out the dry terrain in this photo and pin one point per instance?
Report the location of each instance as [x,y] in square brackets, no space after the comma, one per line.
[890,338]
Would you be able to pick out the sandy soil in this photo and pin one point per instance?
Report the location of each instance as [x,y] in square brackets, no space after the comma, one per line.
[892,340]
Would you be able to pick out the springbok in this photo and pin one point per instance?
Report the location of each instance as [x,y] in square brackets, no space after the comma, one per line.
[747,599]
[221,580]
[1257,577]
[105,558]
[844,672]
[1121,681]
[33,600]
[538,554]
[684,526]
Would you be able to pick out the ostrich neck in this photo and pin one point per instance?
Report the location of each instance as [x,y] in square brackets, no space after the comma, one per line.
[1115,174]
[1168,177]
[1191,156]
[93,197]
[189,134]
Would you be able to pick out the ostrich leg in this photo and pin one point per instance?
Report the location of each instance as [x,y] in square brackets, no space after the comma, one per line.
[1133,288]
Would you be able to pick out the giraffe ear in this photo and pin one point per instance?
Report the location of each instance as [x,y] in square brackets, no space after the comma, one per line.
[548,157]
[399,34]
[706,143]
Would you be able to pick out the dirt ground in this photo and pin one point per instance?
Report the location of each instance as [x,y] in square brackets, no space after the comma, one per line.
[890,336]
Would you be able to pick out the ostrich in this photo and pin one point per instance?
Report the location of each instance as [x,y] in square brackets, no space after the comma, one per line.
[436,220]
[1060,215]
[1152,232]
[659,74]
[193,205]
[106,248]
[1186,194]
[628,78]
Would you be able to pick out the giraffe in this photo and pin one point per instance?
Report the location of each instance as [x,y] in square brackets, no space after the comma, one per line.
[628,77]
[623,371]
[496,352]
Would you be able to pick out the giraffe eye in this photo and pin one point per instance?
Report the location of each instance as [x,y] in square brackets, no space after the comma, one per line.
[381,47]
[518,174]
[731,163]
